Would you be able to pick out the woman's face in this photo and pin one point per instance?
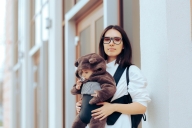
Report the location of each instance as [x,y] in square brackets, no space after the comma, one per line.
[111,49]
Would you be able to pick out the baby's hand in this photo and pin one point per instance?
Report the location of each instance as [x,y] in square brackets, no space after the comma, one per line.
[78,84]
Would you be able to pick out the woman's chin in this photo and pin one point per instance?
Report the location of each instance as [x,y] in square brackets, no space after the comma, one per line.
[111,54]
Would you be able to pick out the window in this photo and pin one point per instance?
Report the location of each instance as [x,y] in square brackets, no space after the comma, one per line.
[39,17]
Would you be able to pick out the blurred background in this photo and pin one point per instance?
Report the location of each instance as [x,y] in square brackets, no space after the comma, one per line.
[2,55]
[41,39]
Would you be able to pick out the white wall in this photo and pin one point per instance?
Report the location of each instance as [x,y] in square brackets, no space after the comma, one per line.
[153,43]
[180,63]
[55,102]
[166,59]
[24,38]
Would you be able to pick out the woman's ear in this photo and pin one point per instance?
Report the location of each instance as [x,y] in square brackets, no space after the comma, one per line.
[76,63]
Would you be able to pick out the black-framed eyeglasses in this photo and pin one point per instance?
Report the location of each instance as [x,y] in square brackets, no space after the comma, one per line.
[116,40]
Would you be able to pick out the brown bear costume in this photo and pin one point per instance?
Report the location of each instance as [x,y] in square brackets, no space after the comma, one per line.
[100,77]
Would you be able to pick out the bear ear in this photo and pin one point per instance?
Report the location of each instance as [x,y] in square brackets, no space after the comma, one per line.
[92,60]
[76,63]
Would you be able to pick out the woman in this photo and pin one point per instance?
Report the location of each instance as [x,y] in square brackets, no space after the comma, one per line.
[115,48]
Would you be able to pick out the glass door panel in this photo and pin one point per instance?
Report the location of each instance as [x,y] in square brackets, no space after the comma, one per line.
[98,31]
[85,41]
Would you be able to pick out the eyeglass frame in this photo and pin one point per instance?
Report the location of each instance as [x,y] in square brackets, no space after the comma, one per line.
[112,38]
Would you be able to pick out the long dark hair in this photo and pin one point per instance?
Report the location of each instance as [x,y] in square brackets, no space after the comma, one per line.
[125,57]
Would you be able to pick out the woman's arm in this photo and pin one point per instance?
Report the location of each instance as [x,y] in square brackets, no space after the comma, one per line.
[107,109]
[131,109]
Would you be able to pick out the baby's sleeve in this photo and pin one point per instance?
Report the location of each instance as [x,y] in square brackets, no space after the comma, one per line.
[137,86]
[74,91]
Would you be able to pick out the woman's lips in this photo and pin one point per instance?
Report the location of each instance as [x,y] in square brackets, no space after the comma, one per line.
[111,49]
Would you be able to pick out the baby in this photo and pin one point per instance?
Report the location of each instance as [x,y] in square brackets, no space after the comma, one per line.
[96,85]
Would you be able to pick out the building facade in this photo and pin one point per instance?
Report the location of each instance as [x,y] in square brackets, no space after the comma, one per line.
[45,37]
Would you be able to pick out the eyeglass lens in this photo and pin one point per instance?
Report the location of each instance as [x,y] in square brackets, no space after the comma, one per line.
[116,40]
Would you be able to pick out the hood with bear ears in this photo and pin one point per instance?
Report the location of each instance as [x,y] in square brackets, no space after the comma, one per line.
[91,61]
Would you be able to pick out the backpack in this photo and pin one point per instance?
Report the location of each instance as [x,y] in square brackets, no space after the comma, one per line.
[135,119]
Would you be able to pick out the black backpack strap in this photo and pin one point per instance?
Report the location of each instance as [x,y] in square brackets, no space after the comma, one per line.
[118,74]
[127,75]
[135,119]
[144,117]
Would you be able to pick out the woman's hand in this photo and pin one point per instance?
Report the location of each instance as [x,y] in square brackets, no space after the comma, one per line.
[104,111]
[78,106]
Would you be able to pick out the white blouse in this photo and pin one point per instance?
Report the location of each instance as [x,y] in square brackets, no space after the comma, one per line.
[136,88]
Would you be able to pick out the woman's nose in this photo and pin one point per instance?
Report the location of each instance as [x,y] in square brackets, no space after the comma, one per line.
[111,43]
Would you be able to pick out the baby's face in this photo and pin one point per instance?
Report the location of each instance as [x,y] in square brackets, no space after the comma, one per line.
[86,73]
